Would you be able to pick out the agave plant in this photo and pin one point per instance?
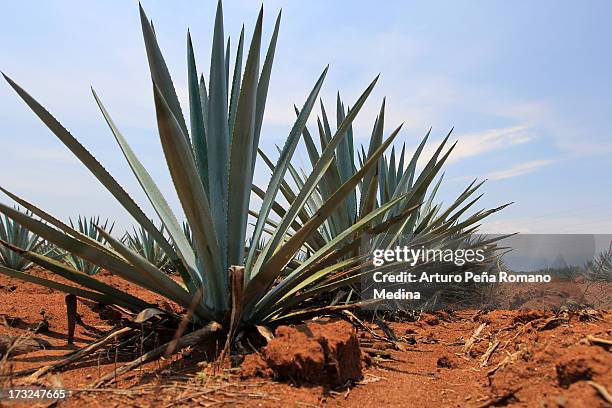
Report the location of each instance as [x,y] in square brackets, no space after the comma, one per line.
[600,269]
[211,163]
[91,228]
[13,233]
[394,176]
[142,242]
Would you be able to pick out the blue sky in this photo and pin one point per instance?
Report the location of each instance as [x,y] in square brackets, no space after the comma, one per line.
[525,84]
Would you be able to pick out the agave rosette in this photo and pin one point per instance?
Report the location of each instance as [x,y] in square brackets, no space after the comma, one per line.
[15,234]
[395,175]
[211,163]
[90,227]
[140,241]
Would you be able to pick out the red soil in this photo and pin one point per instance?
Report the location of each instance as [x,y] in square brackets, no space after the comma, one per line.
[520,358]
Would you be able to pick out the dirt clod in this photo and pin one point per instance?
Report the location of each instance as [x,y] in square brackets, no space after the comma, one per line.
[316,353]
[432,320]
[526,316]
[445,362]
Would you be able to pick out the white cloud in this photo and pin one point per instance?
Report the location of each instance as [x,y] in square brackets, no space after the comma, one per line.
[477,143]
[519,169]
[473,144]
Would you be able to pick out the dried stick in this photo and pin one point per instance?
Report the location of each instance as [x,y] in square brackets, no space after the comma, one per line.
[510,359]
[190,339]
[468,344]
[80,353]
[596,340]
[357,322]
[602,391]
[484,359]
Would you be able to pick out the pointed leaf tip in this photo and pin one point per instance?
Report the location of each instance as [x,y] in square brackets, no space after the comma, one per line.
[8,79]
[143,15]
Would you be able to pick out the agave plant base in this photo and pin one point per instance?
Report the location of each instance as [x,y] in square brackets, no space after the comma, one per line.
[117,337]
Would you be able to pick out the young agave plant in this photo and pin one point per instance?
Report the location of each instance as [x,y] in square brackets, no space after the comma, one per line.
[91,228]
[142,242]
[211,163]
[12,233]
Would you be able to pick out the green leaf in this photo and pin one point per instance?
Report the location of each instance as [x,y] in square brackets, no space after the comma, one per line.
[280,211]
[198,130]
[407,178]
[204,103]
[368,194]
[262,87]
[194,202]
[217,133]
[281,166]
[400,165]
[311,148]
[284,187]
[462,197]
[345,163]
[159,203]
[159,71]
[236,82]
[227,65]
[240,176]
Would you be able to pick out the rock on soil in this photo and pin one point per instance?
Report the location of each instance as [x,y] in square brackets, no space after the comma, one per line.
[325,354]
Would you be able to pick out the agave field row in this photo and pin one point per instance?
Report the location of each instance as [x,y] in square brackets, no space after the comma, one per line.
[307,245]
